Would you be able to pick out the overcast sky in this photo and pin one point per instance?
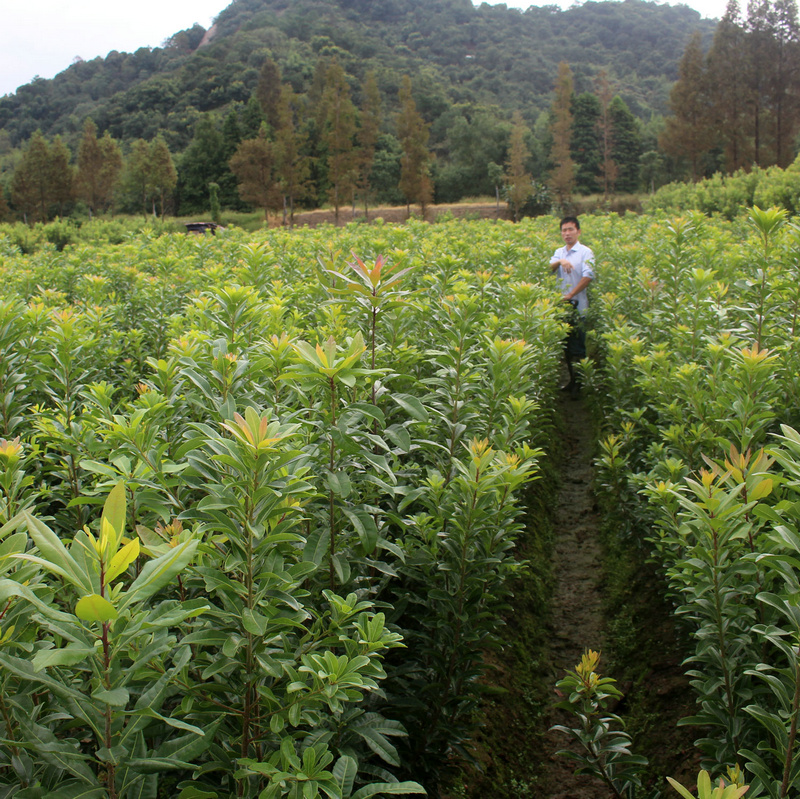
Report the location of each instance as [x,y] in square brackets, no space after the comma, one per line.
[42,37]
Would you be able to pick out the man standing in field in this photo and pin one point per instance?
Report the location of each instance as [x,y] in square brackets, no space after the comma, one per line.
[573,262]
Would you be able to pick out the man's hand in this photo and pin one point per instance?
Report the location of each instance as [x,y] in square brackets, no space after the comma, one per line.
[566,265]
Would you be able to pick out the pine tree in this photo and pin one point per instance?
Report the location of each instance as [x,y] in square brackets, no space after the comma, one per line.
[609,169]
[688,133]
[785,80]
[231,133]
[163,175]
[585,142]
[758,50]
[30,185]
[251,119]
[728,68]
[774,75]
[268,91]
[627,145]
[99,168]
[413,133]
[562,176]
[110,171]
[339,128]
[253,163]
[62,177]
[292,164]
[370,122]
[518,179]
[137,175]
[90,162]
[204,161]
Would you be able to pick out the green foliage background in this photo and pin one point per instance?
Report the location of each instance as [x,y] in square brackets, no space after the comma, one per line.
[298,476]
[456,53]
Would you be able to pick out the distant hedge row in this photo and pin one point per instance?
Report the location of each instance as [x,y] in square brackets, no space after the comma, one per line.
[732,195]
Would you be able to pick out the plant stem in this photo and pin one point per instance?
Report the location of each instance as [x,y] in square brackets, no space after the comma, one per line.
[9,731]
[331,506]
[374,327]
[721,638]
[107,742]
[787,766]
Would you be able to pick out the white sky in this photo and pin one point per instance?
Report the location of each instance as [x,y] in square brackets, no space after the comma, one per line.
[42,37]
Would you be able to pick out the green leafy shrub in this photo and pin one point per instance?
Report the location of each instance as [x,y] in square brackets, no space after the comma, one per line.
[604,745]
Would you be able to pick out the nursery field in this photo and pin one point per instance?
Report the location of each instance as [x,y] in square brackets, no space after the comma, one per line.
[696,387]
[260,496]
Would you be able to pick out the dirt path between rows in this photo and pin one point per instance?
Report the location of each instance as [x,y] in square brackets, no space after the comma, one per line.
[591,596]
[577,603]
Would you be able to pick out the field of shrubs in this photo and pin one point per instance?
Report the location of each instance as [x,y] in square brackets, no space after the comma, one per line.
[260,493]
[697,394]
[259,497]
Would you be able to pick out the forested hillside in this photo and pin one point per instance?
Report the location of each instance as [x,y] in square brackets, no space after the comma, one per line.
[283,105]
[457,53]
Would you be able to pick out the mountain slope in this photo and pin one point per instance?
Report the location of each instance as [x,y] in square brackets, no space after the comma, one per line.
[455,53]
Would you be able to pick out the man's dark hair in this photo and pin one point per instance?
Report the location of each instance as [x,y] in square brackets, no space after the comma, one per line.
[567,219]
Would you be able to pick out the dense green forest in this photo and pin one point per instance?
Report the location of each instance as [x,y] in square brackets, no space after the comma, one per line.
[312,101]
[456,53]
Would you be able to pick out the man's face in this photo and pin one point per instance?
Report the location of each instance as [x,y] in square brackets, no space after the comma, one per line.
[569,233]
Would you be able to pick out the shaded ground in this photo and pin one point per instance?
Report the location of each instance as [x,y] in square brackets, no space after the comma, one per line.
[577,617]
[557,613]
[608,597]
[585,589]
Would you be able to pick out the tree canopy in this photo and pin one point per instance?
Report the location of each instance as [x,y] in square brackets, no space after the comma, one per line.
[484,55]
[320,85]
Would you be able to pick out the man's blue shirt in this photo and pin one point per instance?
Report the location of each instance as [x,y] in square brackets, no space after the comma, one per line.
[582,260]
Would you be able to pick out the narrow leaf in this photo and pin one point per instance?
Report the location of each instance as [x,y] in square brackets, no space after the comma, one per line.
[160,572]
[394,788]
[122,560]
[54,555]
[114,512]
[66,656]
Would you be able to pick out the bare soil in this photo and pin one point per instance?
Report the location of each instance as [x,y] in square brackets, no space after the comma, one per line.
[400,214]
[581,592]
[577,619]
[558,612]
[609,598]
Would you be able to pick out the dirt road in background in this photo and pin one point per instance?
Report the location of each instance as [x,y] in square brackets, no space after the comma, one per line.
[400,214]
